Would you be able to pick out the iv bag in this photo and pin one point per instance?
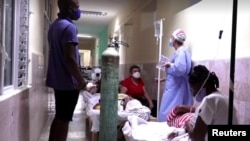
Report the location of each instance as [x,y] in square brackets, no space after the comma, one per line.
[157,28]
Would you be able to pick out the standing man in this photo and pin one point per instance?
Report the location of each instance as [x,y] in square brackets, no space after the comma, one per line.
[177,90]
[64,74]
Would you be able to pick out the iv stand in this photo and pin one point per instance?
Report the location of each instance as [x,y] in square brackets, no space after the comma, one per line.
[159,70]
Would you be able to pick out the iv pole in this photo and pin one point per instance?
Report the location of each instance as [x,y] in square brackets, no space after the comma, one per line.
[159,70]
[232,63]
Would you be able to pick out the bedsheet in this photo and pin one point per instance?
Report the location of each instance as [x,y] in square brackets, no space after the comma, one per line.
[137,129]
[133,108]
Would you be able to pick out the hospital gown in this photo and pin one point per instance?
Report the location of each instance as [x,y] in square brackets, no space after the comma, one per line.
[177,90]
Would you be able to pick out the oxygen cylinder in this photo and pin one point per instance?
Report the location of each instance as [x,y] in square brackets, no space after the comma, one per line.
[109,92]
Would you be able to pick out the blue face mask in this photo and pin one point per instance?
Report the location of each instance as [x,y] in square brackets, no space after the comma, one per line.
[199,96]
[78,14]
[171,42]
[75,13]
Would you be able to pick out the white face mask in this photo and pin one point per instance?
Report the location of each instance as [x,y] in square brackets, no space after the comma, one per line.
[136,75]
[171,42]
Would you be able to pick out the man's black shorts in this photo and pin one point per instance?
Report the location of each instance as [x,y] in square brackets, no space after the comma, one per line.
[65,103]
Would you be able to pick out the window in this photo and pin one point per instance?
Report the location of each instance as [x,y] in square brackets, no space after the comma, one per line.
[14,43]
[8,41]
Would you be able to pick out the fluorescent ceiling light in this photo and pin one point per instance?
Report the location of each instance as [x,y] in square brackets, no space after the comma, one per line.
[93,13]
[84,36]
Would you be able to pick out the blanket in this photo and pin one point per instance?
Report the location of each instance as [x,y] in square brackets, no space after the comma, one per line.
[138,129]
[133,107]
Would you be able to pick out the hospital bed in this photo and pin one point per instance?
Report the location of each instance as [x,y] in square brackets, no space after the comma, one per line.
[137,129]
[93,113]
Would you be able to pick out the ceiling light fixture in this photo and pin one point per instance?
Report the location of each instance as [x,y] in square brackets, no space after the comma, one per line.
[84,36]
[93,13]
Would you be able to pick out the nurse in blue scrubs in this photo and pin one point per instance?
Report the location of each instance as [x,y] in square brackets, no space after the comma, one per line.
[177,90]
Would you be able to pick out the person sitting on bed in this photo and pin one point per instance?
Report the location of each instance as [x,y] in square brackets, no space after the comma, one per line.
[134,87]
[91,88]
[213,109]
[89,92]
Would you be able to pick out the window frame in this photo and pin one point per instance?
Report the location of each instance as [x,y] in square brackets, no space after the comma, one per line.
[3,44]
[12,35]
[16,27]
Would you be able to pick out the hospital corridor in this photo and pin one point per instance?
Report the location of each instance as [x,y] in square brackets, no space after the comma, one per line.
[125,70]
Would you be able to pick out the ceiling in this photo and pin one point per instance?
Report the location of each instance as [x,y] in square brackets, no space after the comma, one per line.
[93,25]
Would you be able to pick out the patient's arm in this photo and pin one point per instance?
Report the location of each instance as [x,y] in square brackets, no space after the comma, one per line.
[198,132]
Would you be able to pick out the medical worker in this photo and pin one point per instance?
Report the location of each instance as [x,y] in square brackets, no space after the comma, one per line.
[177,90]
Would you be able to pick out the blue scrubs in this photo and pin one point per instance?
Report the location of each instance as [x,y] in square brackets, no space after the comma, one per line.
[177,90]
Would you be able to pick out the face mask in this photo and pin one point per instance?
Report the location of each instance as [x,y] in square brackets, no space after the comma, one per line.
[202,91]
[171,42]
[136,75]
[199,96]
[78,13]
[75,13]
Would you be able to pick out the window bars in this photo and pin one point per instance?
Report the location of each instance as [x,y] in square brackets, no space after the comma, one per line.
[23,44]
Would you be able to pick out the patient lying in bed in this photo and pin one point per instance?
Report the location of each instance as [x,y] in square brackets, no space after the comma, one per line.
[129,106]
[126,107]
[138,129]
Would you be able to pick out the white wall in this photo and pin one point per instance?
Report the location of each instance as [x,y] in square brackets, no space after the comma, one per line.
[36,25]
[202,23]
[135,27]
[85,60]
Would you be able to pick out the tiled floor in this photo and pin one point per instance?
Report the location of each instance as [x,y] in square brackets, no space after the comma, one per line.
[76,127]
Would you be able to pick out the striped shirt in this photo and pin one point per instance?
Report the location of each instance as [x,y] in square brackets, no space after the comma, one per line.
[178,120]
